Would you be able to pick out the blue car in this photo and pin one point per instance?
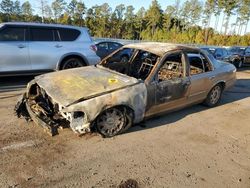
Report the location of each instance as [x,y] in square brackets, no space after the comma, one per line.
[105,48]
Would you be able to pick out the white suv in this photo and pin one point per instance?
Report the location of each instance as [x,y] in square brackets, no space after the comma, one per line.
[31,48]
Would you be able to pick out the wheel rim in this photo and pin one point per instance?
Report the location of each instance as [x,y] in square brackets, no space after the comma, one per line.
[215,94]
[111,122]
[72,63]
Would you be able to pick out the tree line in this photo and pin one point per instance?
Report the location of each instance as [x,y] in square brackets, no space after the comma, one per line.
[187,22]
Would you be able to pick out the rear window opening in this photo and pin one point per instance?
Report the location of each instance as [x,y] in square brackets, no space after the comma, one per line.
[198,63]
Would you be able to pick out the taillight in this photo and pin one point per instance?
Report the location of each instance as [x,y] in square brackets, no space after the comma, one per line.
[93,47]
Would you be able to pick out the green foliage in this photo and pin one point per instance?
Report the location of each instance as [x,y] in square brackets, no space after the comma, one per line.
[178,23]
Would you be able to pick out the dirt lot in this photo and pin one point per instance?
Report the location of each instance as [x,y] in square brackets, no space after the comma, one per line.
[194,147]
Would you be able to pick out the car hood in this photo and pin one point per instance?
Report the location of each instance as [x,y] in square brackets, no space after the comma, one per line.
[75,85]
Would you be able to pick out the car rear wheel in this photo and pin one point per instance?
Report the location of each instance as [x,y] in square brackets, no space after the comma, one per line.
[214,96]
[113,121]
[72,63]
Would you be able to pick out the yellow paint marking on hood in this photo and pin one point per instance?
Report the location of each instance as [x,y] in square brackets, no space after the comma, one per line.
[113,80]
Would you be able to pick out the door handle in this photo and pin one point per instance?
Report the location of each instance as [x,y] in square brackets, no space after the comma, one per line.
[58,46]
[21,46]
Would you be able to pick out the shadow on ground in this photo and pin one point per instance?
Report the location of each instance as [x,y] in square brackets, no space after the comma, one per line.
[14,83]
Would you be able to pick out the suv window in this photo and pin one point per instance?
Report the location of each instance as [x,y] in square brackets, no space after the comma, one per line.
[12,34]
[68,34]
[41,34]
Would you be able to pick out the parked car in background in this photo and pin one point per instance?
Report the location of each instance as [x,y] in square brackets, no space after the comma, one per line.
[223,54]
[113,95]
[105,48]
[31,48]
[243,53]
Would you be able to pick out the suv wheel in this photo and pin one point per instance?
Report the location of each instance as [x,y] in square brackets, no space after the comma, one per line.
[72,63]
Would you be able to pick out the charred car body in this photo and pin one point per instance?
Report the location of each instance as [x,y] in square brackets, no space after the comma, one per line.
[112,96]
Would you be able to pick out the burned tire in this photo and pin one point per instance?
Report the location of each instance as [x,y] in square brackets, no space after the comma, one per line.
[214,96]
[113,121]
[73,62]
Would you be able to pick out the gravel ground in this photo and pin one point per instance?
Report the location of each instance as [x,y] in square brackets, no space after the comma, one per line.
[194,147]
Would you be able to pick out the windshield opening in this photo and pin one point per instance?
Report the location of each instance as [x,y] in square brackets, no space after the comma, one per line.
[136,63]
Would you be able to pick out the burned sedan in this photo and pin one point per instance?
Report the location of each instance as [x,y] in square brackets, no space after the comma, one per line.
[112,96]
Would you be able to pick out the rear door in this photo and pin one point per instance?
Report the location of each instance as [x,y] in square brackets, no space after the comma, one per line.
[14,50]
[201,76]
[45,52]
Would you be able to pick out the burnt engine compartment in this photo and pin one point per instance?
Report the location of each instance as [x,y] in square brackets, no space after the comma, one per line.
[41,105]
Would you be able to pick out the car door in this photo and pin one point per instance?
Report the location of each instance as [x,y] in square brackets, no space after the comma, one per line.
[247,55]
[169,88]
[14,50]
[45,51]
[201,76]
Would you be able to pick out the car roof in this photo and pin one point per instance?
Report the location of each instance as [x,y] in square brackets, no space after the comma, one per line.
[42,25]
[159,48]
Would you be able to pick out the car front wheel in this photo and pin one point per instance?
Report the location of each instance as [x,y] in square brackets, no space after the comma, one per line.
[72,63]
[113,121]
[214,96]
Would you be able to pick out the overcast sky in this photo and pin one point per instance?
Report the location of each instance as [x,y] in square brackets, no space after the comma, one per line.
[136,3]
